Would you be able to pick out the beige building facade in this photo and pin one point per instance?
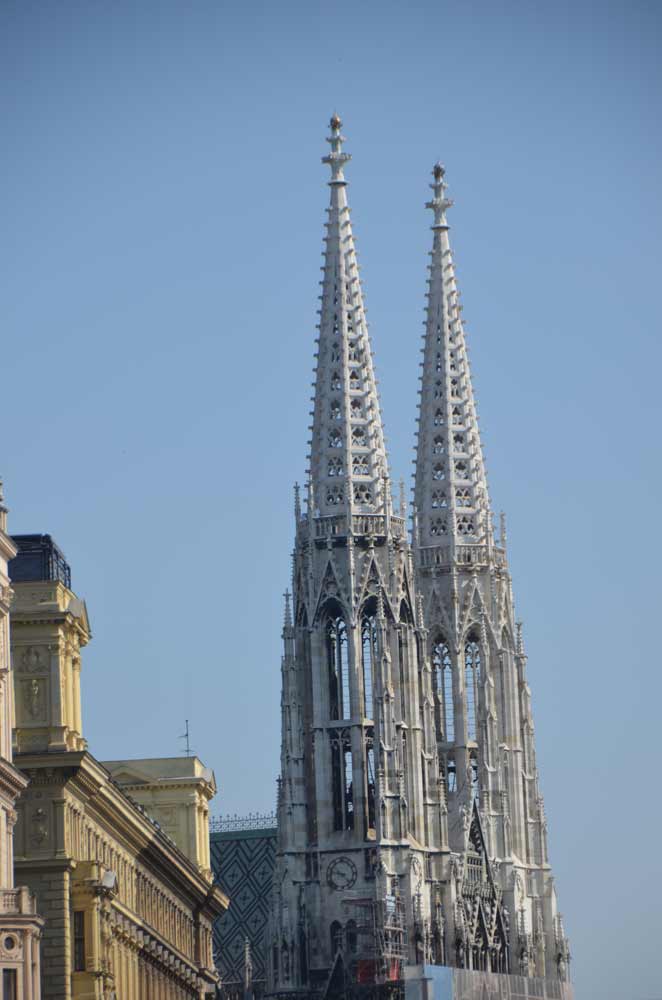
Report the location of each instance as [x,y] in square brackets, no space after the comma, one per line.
[20,927]
[128,912]
[175,791]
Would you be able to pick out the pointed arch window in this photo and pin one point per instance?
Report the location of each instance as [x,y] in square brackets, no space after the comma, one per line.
[438,471]
[370,783]
[334,496]
[463,496]
[335,410]
[335,350]
[335,467]
[355,352]
[438,445]
[336,937]
[335,439]
[336,382]
[438,418]
[342,778]
[443,683]
[337,667]
[438,526]
[439,499]
[356,407]
[360,466]
[456,414]
[471,677]
[358,437]
[455,387]
[458,442]
[354,380]
[369,657]
[438,390]
[465,525]
[362,495]
[461,470]
[437,366]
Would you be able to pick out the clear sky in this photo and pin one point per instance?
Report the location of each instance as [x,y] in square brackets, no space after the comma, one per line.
[163,202]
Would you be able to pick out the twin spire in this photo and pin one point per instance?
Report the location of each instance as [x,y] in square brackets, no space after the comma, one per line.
[348,463]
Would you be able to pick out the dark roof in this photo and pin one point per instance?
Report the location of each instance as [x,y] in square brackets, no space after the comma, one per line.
[38,558]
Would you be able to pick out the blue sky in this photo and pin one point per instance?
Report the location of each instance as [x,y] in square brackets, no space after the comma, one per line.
[163,202]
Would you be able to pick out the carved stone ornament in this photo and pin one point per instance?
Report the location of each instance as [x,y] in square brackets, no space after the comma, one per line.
[39,827]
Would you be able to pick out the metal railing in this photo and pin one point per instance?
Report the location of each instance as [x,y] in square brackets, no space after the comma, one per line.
[236,824]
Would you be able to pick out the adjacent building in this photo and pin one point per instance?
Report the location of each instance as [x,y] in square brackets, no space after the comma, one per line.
[411,830]
[20,927]
[128,912]
[243,854]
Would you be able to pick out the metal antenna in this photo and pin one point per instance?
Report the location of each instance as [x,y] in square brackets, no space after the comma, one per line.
[186,736]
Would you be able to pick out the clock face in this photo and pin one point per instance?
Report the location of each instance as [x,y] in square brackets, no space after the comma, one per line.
[341,873]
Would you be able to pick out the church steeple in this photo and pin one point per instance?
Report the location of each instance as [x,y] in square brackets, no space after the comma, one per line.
[348,465]
[451,498]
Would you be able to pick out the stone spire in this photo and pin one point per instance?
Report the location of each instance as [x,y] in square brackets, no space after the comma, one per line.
[451,497]
[348,465]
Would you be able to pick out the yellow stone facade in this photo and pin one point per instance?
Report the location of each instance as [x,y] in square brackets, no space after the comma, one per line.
[175,791]
[20,927]
[128,912]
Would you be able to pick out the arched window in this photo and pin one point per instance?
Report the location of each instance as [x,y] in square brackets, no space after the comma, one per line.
[351,935]
[443,681]
[439,499]
[335,410]
[338,667]
[335,381]
[360,465]
[335,439]
[438,418]
[336,937]
[438,445]
[471,672]
[358,437]
[371,784]
[342,780]
[335,467]
[369,652]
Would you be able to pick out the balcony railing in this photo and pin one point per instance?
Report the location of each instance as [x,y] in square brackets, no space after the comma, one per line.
[336,525]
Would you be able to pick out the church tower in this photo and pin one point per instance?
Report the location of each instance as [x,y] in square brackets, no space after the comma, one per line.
[483,719]
[362,826]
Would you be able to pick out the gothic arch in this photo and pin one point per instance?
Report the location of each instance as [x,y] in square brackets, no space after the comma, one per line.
[442,682]
[336,646]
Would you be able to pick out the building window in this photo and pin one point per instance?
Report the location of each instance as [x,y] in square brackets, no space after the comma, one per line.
[439,499]
[338,667]
[79,941]
[9,991]
[471,671]
[336,412]
[351,935]
[342,781]
[438,526]
[443,681]
[336,937]
[360,465]
[335,467]
[368,659]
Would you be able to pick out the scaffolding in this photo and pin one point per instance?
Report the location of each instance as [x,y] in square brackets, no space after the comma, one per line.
[376,969]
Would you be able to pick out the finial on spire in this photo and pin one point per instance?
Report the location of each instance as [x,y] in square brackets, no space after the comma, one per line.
[439,203]
[403,499]
[287,618]
[336,158]
[297,503]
